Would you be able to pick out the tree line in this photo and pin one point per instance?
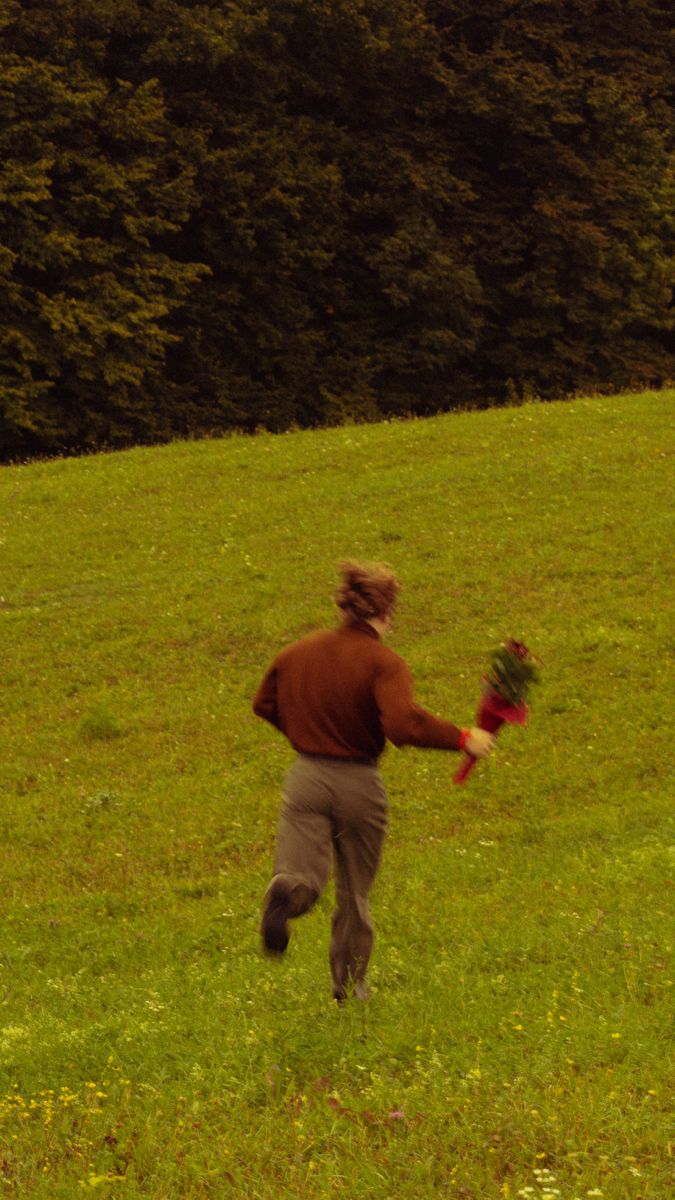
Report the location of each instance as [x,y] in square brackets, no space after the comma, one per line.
[230,214]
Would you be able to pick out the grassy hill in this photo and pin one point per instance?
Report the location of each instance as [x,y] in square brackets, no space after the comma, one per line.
[516,1043]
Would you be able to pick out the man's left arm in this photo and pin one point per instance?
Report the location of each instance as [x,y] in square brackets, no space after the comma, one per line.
[404,722]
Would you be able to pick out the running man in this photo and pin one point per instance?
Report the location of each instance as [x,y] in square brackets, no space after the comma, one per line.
[338,695]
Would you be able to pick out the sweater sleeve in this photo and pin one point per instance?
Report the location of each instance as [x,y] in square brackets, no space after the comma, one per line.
[404,722]
[265,700]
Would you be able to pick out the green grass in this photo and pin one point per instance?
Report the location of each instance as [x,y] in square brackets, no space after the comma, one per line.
[518,1032]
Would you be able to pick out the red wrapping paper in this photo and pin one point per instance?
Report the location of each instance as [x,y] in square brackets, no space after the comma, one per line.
[493,712]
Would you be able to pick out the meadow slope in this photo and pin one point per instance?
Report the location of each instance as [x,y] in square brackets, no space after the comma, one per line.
[517,1040]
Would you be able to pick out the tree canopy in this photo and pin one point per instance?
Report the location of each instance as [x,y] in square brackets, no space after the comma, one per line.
[243,213]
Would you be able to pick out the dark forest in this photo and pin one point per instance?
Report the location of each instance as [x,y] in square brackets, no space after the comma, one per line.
[235,215]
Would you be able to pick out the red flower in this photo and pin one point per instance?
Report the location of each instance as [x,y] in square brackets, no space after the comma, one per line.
[495,709]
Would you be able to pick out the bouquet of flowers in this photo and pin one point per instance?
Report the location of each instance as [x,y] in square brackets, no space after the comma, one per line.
[511,672]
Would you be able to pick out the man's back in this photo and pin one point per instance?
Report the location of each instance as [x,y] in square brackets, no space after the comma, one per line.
[341,693]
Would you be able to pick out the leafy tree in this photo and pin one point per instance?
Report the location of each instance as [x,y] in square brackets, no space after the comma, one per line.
[92,184]
[567,129]
[339,284]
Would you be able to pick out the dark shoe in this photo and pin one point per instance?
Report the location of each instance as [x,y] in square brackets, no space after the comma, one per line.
[355,991]
[274,927]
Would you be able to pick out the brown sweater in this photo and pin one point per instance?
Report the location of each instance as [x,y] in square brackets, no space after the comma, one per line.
[342,693]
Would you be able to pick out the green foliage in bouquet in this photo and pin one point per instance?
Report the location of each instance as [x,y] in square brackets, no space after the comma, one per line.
[512,671]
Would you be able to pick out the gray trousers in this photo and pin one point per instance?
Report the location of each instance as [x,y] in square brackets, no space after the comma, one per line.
[333,809]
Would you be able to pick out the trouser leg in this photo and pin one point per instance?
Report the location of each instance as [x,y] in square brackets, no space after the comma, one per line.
[302,853]
[359,826]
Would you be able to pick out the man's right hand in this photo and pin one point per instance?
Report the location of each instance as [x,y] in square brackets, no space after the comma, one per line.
[479,743]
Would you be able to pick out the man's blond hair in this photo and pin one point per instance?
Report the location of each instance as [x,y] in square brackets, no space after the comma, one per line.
[366,591]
